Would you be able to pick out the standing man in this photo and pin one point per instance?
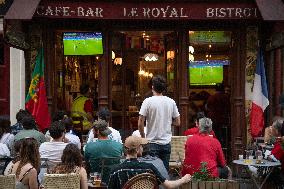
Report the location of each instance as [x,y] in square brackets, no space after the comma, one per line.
[160,113]
[83,106]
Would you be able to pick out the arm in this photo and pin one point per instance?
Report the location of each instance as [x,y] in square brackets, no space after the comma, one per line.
[141,121]
[33,179]
[83,179]
[176,121]
[176,183]
[220,155]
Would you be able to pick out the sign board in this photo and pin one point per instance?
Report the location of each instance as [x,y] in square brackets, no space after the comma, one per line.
[147,11]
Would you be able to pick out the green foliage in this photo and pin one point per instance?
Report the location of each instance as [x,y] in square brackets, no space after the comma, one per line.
[202,174]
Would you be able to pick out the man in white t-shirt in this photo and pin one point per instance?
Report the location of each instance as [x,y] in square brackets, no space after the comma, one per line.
[105,114]
[160,113]
[53,150]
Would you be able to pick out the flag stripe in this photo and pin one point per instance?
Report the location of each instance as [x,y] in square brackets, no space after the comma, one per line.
[260,97]
[36,101]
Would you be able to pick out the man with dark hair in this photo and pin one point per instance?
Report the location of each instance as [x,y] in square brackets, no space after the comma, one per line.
[102,148]
[83,107]
[59,115]
[160,113]
[195,130]
[29,124]
[105,114]
[15,129]
[53,150]
[131,167]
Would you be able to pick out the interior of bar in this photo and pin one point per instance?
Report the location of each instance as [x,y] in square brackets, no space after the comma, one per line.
[136,57]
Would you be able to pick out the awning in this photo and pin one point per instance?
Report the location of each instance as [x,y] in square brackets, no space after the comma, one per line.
[272,10]
[22,9]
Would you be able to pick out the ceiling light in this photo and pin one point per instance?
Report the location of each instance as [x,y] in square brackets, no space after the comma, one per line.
[151,57]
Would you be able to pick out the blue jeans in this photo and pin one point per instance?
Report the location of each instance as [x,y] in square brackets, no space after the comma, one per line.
[161,151]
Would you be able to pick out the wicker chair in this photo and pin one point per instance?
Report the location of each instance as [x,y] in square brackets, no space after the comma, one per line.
[177,152]
[7,182]
[142,181]
[62,181]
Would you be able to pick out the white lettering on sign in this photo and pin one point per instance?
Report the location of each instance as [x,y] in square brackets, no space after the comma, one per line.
[165,12]
[231,13]
[67,11]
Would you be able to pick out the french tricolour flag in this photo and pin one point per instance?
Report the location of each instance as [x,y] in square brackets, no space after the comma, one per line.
[260,97]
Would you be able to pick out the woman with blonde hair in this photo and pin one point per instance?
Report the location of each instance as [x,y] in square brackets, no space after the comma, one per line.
[72,163]
[27,168]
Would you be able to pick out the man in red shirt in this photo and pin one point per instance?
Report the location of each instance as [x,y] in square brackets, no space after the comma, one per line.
[195,130]
[203,148]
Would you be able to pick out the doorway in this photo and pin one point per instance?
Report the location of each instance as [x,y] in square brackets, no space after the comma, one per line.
[136,57]
[210,80]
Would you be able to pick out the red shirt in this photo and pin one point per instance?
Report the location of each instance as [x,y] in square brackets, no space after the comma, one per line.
[278,153]
[88,106]
[203,148]
[195,131]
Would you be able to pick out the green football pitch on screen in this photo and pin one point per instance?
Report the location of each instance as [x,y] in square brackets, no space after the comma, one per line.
[205,75]
[83,47]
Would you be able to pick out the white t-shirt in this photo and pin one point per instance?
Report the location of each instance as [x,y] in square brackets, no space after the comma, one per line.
[73,139]
[52,151]
[159,112]
[114,135]
[8,139]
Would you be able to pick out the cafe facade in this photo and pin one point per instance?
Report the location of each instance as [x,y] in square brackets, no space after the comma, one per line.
[117,46]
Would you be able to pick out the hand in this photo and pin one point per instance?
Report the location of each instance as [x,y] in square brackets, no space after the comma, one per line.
[186,178]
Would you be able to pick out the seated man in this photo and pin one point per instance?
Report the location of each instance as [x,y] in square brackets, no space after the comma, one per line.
[68,135]
[131,167]
[203,148]
[53,150]
[29,126]
[102,148]
[105,114]
[195,130]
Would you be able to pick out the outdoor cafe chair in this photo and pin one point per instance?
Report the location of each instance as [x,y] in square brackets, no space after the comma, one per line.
[4,161]
[177,152]
[8,182]
[142,181]
[62,181]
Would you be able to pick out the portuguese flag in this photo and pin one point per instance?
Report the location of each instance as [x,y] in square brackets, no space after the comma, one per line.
[36,101]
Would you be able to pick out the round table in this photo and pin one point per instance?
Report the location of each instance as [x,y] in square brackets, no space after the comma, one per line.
[265,163]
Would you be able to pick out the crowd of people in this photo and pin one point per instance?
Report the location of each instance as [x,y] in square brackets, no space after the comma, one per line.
[146,151]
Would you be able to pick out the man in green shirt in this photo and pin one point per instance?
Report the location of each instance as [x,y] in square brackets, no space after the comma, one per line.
[29,131]
[103,149]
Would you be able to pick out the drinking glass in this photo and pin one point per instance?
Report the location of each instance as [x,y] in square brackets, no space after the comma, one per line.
[96,178]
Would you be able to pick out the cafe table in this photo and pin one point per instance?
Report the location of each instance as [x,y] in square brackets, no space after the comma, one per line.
[268,165]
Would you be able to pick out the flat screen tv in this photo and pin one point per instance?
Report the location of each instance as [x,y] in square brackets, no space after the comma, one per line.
[82,43]
[201,75]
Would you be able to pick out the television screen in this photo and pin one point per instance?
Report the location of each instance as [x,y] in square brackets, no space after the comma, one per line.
[205,75]
[82,43]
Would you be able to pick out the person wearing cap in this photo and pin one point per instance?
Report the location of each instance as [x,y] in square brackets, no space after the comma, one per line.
[203,148]
[160,113]
[105,114]
[132,166]
[195,130]
[102,148]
